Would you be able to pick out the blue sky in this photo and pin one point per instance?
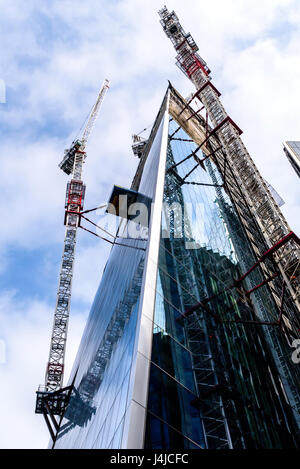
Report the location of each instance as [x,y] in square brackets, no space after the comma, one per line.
[54,57]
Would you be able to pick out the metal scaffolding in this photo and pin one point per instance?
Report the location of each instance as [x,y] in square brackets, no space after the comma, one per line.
[275,247]
[214,332]
[266,272]
[262,218]
[231,152]
[196,327]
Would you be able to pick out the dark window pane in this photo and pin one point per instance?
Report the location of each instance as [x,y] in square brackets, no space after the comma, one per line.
[174,404]
[159,435]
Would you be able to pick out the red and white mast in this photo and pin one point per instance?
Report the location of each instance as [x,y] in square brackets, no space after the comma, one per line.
[72,163]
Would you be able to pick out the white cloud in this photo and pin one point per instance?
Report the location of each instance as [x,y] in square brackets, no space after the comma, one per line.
[26,335]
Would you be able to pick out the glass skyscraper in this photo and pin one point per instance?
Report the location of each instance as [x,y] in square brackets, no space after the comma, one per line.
[168,359]
[292,151]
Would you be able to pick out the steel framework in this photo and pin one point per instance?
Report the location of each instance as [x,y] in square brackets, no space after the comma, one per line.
[72,163]
[267,270]
[232,152]
[196,327]
[211,323]
[218,137]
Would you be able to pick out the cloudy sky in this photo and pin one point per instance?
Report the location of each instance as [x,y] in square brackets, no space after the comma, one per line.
[54,57]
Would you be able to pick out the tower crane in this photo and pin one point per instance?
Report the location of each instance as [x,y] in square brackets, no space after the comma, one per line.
[52,397]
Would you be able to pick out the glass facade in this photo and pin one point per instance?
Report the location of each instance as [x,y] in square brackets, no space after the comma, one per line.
[292,151]
[213,382]
[164,362]
[101,372]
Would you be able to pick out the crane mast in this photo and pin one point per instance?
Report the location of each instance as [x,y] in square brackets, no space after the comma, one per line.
[72,163]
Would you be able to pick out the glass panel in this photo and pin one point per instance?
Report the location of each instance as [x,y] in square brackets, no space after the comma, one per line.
[199,343]
[104,359]
[159,435]
[174,404]
[172,357]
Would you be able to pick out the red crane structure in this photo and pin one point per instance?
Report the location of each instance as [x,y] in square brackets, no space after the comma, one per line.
[52,397]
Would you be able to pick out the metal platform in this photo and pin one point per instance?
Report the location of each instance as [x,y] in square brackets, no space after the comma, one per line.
[56,401]
[67,163]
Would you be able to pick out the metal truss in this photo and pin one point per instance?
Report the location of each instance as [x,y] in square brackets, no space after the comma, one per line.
[74,204]
[269,303]
[262,220]
[72,163]
[52,404]
[261,206]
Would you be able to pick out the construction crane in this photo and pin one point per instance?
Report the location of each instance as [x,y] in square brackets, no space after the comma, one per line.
[52,397]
